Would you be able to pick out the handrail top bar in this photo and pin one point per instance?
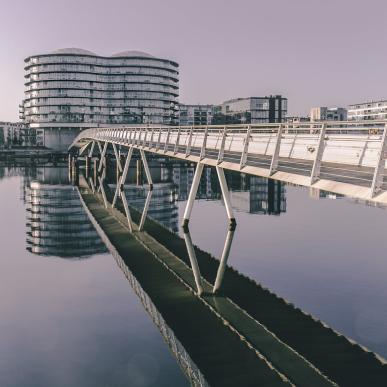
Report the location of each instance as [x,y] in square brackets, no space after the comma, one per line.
[296,125]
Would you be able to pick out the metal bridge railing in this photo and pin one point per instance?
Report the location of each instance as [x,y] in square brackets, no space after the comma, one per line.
[302,148]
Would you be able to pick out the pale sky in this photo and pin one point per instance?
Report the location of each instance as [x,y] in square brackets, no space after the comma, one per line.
[315,52]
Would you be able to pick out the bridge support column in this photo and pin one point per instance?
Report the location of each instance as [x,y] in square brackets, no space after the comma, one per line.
[121,181]
[146,168]
[226,196]
[224,259]
[193,260]
[87,166]
[192,194]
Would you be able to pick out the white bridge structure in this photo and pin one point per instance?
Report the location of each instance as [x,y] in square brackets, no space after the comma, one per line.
[342,157]
[347,158]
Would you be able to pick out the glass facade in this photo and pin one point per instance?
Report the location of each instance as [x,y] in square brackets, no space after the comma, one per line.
[76,87]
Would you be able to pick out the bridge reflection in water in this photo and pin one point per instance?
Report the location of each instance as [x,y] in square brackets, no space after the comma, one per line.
[242,335]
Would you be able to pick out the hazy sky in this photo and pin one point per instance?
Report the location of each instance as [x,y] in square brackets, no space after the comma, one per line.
[314,52]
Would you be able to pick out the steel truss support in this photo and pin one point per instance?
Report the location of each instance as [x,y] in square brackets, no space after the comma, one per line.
[122,179]
[102,160]
[223,259]
[226,195]
[193,260]
[117,157]
[192,194]
[146,167]
[91,149]
[319,154]
[377,180]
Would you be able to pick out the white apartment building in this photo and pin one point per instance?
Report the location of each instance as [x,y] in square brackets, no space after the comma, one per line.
[323,113]
[71,89]
[195,114]
[373,110]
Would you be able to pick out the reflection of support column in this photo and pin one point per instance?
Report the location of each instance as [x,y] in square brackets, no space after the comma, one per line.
[146,167]
[226,195]
[121,182]
[192,194]
[193,260]
[224,258]
[145,210]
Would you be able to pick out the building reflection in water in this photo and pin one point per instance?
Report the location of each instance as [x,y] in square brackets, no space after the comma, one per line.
[57,224]
[252,194]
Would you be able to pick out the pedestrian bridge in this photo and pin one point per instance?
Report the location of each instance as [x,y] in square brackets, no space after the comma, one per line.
[346,158]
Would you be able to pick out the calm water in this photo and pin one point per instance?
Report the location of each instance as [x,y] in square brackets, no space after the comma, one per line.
[69,317]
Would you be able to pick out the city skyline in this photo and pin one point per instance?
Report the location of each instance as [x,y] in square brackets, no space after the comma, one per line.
[257,49]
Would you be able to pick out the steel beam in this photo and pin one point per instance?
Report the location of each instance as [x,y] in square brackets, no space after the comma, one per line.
[225,194]
[194,262]
[117,157]
[192,194]
[122,180]
[102,156]
[146,167]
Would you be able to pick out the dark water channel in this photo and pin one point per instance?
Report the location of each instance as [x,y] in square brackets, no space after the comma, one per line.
[69,317]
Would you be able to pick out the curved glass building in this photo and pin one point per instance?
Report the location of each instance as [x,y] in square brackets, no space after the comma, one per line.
[70,89]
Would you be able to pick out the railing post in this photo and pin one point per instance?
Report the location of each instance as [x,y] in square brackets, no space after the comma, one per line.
[245,148]
[203,150]
[274,159]
[158,140]
[377,180]
[222,145]
[188,149]
[177,141]
[167,140]
[319,155]
[151,139]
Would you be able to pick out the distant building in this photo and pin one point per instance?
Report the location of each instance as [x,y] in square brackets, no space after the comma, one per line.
[323,113]
[297,119]
[252,110]
[195,114]
[71,89]
[373,110]
[11,133]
